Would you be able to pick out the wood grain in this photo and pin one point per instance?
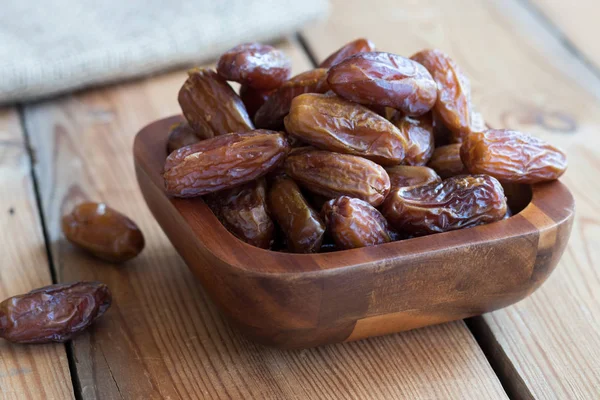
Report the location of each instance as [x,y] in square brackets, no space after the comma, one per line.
[522,78]
[162,337]
[577,22]
[32,372]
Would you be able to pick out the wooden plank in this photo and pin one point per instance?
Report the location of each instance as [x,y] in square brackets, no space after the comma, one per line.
[522,78]
[26,371]
[577,22]
[163,337]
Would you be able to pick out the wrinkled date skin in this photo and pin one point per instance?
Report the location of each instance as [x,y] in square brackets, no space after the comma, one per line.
[333,175]
[257,65]
[407,175]
[453,104]
[180,135]
[456,203]
[446,161]
[210,105]
[103,232]
[349,49]
[355,223]
[418,134]
[253,99]
[512,157]
[223,162]
[301,225]
[243,211]
[384,79]
[332,123]
[53,313]
[277,106]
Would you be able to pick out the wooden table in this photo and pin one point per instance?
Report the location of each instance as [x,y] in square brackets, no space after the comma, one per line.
[534,65]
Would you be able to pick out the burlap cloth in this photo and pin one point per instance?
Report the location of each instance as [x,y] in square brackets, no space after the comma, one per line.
[53,46]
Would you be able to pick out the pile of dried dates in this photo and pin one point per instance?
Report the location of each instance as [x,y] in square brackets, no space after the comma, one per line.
[368,148]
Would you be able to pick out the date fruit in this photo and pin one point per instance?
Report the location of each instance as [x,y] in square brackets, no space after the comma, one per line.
[354,223]
[455,203]
[332,123]
[243,211]
[408,175]
[334,174]
[253,99]
[103,232]
[446,161]
[301,225]
[384,79]
[349,49]
[257,65]
[453,104]
[270,115]
[53,313]
[223,162]
[210,105]
[512,157]
[180,135]
[418,132]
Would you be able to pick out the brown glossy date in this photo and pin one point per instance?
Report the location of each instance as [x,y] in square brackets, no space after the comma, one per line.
[512,156]
[446,161]
[301,225]
[257,65]
[243,211]
[53,313]
[408,175]
[453,104]
[253,99]
[332,123]
[455,203]
[180,135]
[354,223]
[103,232]
[418,134]
[210,105]
[334,174]
[223,162]
[349,49]
[384,79]
[270,115]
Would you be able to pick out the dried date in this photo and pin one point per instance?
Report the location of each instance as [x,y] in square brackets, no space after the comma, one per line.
[354,223]
[384,79]
[210,105]
[512,156]
[180,135]
[332,123]
[349,49]
[243,211]
[333,175]
[407,175]
[103,232]
[223,162]
[446,161]
[53,313]
[270,115]
[455,203]
[418,134]
[253,99]
[257,65]
[453,104]
[301,225]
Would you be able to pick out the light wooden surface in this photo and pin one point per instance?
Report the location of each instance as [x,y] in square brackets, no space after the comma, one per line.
[33,372]
[522,78]
[576,22]
[162,338]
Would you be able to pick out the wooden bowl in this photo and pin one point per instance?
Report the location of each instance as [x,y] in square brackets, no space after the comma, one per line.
[304,300]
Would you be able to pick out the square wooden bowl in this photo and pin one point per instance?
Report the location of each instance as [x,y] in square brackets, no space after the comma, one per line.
[304,300]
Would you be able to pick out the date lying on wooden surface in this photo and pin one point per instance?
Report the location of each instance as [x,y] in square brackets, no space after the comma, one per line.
[335,128]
